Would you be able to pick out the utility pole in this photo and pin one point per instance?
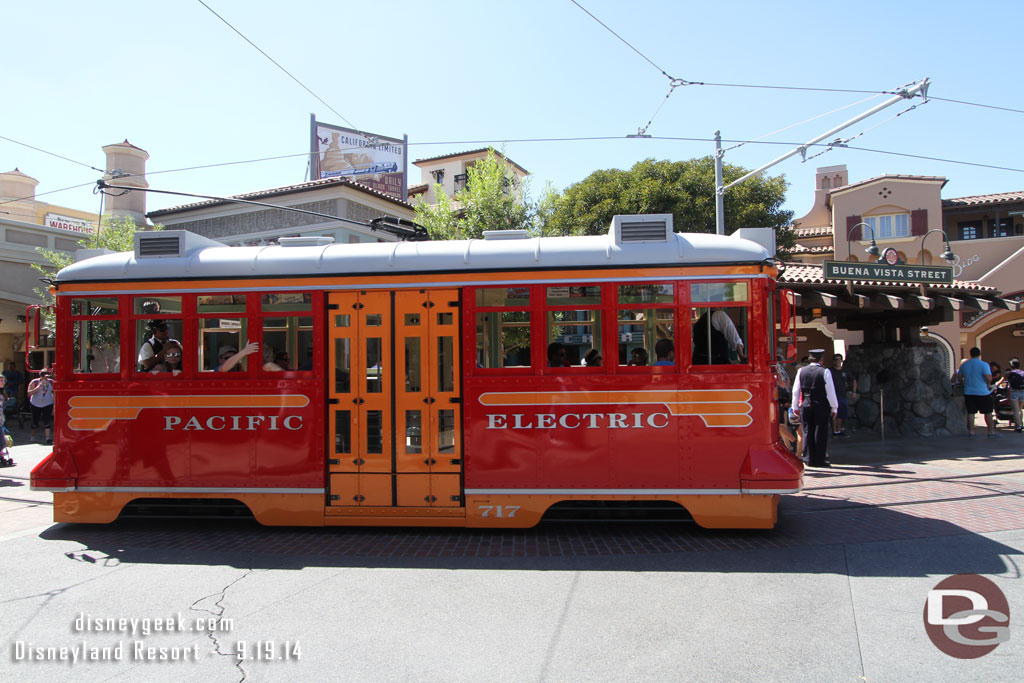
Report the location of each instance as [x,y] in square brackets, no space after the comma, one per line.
[918,87]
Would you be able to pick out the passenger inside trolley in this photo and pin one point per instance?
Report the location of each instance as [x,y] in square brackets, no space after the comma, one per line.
[172,352]
[152,350]
[638,356]
[665,350]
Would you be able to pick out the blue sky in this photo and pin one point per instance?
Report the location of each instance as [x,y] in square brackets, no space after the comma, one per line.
[456,75]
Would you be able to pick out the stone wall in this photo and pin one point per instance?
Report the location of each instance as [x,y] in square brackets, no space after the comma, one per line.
[918,395]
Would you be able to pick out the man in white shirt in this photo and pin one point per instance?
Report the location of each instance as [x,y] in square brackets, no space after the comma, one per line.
[721,337]
[814,395]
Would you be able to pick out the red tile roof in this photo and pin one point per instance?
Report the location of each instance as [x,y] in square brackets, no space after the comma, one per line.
[276,191]
[984,199]
[808,273]
[470,152]
[814,232]
[820,249]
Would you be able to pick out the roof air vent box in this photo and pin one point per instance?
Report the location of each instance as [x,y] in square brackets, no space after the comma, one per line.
[646,228]
[169,243]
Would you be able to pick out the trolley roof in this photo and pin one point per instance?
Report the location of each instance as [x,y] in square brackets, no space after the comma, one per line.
[176,254]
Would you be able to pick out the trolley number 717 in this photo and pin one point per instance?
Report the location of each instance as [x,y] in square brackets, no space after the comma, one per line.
[498,510]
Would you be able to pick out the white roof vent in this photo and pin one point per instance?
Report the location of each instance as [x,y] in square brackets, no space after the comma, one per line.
[646,228]
[506,234]
[309,241]
[83,254]
[169,243]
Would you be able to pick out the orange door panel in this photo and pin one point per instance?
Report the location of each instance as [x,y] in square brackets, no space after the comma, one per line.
[394,392]
[446,490]
[342,422]
[413,490]
[373,365]
[411,375]
[445,408]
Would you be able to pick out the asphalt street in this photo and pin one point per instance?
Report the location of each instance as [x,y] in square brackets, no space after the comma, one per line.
[835,592]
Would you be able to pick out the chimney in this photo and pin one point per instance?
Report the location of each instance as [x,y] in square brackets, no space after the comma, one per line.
[826,178]
[126,165]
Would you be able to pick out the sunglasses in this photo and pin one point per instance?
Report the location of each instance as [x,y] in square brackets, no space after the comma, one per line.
[173,355]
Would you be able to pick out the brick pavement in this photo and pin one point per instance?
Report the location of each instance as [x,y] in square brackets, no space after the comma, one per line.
[936,489]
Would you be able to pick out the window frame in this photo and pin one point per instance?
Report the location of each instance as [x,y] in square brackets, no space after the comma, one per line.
[690,305]
[259,318]
[469,365]
[675,307]
[74,319]
[186,320]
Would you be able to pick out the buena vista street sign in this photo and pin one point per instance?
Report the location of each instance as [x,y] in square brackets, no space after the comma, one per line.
[886,272]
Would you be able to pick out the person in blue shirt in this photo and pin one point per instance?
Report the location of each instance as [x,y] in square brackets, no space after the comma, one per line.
[976,375]
[665,350]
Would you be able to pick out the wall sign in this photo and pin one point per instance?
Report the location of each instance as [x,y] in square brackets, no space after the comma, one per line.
[885,272]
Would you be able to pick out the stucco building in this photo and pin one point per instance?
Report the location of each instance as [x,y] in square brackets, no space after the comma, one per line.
[908,214]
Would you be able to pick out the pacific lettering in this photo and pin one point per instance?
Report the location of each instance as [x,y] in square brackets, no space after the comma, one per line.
[234,423]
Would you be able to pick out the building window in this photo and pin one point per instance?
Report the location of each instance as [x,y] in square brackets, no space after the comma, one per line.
[438,175]
[1001,228]
[970,230]
[890,226]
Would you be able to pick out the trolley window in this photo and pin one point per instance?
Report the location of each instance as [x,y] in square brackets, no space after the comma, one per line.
[502,336]
[719,322]
[646,319]
[159,329]
[223,332]
[287,343]
[573,319]
[96,332]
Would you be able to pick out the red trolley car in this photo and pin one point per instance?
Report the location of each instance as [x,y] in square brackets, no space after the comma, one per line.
[464,383]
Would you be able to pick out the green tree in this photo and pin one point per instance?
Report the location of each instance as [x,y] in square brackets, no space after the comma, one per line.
[685,189]
[115,234]
[493,199]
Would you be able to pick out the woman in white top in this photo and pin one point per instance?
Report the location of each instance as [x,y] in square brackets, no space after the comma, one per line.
[40,398]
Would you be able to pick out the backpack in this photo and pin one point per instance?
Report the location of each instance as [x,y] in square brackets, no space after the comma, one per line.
[1016,379]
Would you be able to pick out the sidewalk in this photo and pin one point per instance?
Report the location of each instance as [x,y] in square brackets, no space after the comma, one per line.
[868,448]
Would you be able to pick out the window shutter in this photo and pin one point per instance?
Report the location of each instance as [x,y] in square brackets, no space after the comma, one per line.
[851,221]
[918,222]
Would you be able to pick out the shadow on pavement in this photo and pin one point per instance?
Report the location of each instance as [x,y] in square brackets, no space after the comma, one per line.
[805,540]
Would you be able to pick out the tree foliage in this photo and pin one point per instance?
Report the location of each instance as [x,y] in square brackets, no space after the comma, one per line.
[685,189]
[493,199]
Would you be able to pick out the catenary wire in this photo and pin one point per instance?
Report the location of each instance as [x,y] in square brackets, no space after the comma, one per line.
[52,154]
[274,62]
[780,87]
[667,138]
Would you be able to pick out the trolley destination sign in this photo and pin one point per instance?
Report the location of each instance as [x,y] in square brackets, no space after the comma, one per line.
[885,272]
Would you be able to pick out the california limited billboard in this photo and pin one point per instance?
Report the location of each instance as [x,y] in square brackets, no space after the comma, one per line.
[372,160]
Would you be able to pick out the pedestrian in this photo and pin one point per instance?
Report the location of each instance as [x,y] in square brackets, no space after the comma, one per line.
[14,379]
[815,397]
[976,375]
[40,398]
[846,385]
[1015,380]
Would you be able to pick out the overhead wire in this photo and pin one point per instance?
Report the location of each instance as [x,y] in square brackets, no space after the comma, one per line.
[275,63]
[778,87]
[52,154]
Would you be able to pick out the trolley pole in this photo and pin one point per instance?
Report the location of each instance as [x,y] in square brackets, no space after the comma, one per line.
[915,89]
[719,190]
